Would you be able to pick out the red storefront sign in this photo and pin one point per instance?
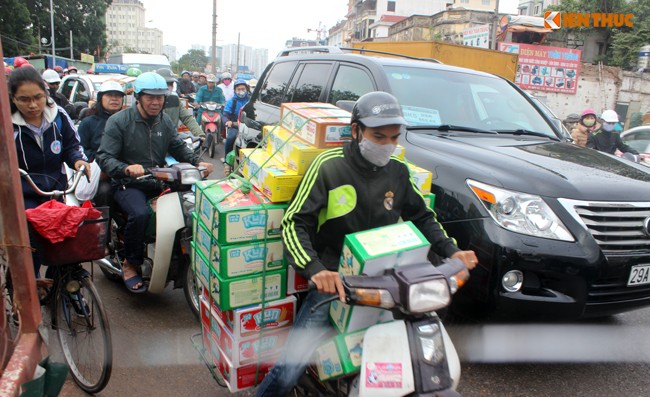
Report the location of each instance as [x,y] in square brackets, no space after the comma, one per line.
[545,68]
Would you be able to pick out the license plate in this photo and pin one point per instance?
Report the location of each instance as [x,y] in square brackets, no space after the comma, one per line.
[639,275]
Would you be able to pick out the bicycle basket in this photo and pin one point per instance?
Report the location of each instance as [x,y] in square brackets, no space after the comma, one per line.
[87,245]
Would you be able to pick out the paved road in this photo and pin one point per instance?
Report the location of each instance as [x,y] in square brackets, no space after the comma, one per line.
[154,355]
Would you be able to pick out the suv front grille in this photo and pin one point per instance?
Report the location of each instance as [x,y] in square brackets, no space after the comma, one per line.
[618,228]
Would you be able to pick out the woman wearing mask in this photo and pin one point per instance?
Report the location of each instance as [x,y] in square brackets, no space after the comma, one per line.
[110,99]
[606,139]
[230,115]
[45,138]
[587,124]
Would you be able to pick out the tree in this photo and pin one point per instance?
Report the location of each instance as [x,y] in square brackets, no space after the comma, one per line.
[17,37]
[85,18]
[193,60]
[626,44]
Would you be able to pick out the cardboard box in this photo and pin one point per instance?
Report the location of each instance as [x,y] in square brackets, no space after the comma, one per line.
[200,265]
[251,349]
[319,124]
[234,216]
[245,291]
[348,318]
[247,321]
[422,178]
[340,356]
[430,200]
[295,282]
[272,178]
[372,251]
[295,154]
[239,259]
[243,377]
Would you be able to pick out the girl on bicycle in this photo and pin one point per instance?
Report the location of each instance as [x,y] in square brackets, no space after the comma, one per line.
[45,137]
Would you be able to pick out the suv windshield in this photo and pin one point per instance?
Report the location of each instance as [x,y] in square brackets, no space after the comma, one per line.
[437,97]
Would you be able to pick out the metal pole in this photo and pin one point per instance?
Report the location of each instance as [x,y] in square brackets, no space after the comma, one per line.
[214,37]
[52,28]
[237,62]
[71,54]
[495,23]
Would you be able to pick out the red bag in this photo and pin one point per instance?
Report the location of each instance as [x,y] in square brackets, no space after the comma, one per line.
[56,221]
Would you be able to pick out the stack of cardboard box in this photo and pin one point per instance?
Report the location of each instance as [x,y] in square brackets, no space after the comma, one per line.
[246,304]
[238,258]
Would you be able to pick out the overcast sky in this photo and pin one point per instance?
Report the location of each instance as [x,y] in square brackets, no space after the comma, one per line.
[261,23]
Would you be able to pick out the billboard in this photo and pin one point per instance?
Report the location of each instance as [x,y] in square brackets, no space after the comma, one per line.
[545,68]
[477,36]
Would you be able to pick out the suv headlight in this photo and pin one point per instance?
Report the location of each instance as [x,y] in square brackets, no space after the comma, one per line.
[520,212]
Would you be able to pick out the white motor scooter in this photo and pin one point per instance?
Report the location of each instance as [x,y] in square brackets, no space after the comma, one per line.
[412,355]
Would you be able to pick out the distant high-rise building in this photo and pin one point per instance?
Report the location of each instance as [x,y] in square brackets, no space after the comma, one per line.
[236,55]
[259,61]
[170,51]
[125,29]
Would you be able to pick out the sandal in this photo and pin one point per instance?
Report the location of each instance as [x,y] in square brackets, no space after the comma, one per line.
[133,281]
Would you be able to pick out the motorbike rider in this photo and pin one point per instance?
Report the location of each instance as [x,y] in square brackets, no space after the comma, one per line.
[173,107]
[203,80]
[230,115]
[226,86]
[185,86]
[587,124]
[135,139]
[347,184]
[53,81]
[606,139]
[45,138]
[208,93]
[195,80]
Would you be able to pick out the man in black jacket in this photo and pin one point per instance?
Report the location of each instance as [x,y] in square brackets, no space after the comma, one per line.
[135,139]
[346,190]
[605,139]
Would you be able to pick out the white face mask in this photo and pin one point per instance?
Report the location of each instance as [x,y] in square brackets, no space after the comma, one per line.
[609,126]
[375,153]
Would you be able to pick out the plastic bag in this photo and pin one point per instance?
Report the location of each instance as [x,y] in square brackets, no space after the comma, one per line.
[86,190]
[56,221]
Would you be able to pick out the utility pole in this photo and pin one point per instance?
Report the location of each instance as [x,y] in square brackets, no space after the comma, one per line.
[214,37]
[495,24]
[52,28]
[237,62]
[71,54]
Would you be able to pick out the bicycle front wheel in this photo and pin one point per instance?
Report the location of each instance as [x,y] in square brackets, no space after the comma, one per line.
[82,327]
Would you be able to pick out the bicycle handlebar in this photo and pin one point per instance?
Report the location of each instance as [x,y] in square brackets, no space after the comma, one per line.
[54,193]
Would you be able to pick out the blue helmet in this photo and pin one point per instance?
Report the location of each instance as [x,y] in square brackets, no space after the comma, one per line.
[240,82]
[150,83]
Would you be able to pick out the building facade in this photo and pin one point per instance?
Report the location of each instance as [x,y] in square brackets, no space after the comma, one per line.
[170,52]
[126,30]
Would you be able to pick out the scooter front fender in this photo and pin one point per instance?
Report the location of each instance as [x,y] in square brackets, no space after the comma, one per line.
[387,355]
[166,228]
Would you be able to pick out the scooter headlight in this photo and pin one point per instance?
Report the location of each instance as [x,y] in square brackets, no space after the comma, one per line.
[190,176]
[429,296]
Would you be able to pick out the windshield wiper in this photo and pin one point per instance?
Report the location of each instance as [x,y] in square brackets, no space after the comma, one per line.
[450,127]
[522,131]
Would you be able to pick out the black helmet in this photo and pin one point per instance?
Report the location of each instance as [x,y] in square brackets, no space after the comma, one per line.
[168,75]
[376,109]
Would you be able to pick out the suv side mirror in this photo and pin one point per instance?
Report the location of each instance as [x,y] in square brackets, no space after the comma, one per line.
[345,104]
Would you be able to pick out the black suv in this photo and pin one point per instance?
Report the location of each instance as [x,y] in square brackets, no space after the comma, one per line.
[558,229]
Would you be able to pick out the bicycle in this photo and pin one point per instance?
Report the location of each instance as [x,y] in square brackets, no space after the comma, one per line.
[77,313]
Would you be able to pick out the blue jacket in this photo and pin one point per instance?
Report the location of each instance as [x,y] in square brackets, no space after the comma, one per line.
[234,105]
[44,162]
